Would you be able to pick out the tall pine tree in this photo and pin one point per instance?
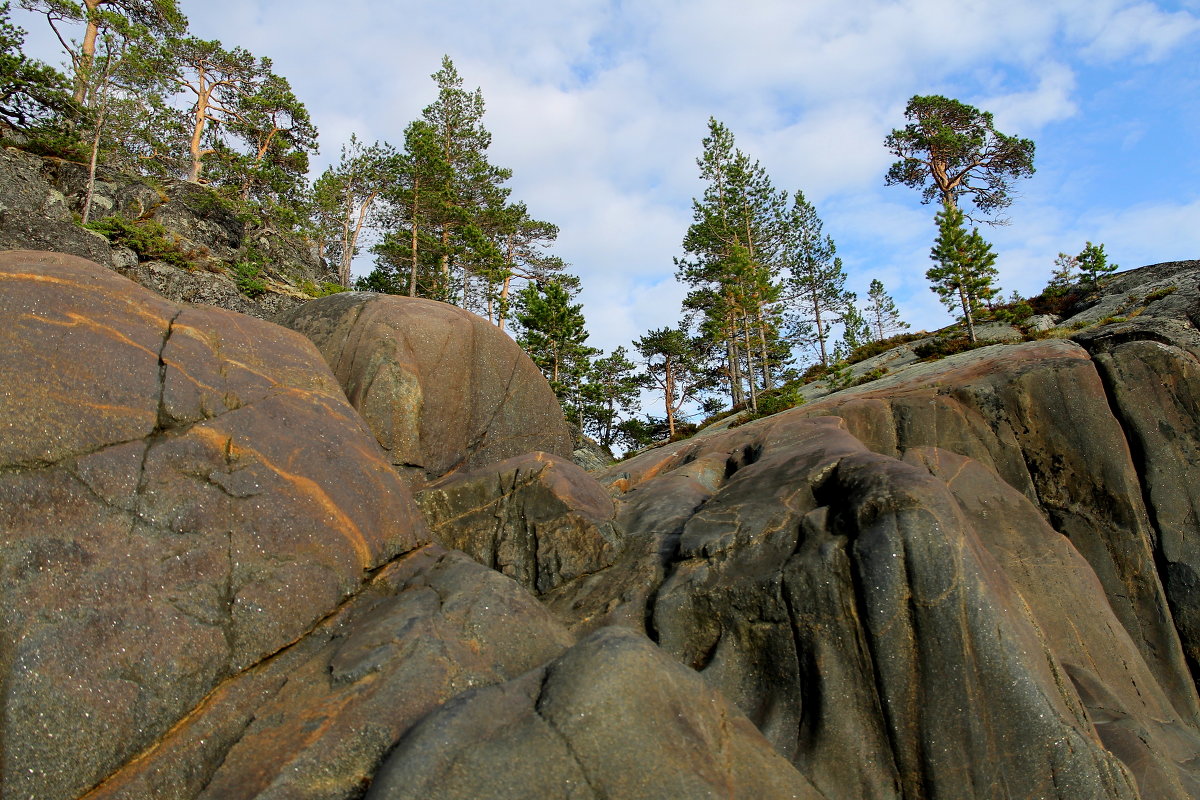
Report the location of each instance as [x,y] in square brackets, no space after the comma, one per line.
[816,280]
[554,336]
[731,263]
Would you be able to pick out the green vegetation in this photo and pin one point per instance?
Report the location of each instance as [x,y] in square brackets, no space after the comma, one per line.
[943,346]
[149,239]
[321,290]
[247,276]
[766,289]
[963,267]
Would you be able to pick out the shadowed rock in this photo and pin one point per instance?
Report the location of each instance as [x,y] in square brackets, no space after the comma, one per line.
[441,388]
[182,493]
[850,602]
[537,518]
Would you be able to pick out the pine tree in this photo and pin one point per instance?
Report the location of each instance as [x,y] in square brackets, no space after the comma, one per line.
[128,22]
[1065,275]
[816,280]
[611,392]
[951,150]
[277,137]
[732,256]
[344,199]
[882,314]
[30,92]
[1093,263]
[964,272]
[855,330]
[553,334]
[677,364]
[475,194]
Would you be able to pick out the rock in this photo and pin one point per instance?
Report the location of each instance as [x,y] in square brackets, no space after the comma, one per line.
[1151,373]
[315,720]
[441,388]
[588,453]
[183,492]
[1041,322]
[537,518]
[613,717]
[35,216]
[207,288]
[1039,415]
[847,601]
[1170,290]
[40,198]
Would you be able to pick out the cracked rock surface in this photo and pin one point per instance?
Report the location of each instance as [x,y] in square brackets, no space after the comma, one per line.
[613,716]
[182,493]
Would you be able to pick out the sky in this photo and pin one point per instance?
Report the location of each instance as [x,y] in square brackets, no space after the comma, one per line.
[599,106]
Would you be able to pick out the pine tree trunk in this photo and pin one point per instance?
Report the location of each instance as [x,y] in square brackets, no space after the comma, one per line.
[87,52]
[966,304]
[749,364]
[768,383]
[504,290]
[669,393]
[820,331]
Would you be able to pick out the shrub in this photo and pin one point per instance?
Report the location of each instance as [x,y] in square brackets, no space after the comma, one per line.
[775,400]
[871,375]
[148,238]
[945,346]
[1159,294]
[246,274]
[323,290]
[870,349]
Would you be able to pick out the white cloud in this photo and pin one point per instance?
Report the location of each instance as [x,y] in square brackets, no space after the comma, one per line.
[1051,101]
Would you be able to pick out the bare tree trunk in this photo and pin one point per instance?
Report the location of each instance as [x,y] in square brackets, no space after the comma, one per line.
[203,94]
[412,274]
[87,52]
[669,394]
[966,305]
[820,330]
[91,181]
[504,291]
[749,364]
[768,383]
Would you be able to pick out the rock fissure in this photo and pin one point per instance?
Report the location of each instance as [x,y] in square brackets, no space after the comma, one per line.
[596,791]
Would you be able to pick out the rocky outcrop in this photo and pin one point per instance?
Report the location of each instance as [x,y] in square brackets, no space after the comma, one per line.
[315,719]
[441,388]
[35,215]
[974,578]
[537,518]
[40,199]
[183,492]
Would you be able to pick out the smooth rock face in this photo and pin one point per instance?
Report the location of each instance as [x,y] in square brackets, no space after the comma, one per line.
[1040,416]
[441,388]
[612,717]
[182,493]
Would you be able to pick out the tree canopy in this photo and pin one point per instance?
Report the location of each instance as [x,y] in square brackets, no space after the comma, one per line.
[950,150]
